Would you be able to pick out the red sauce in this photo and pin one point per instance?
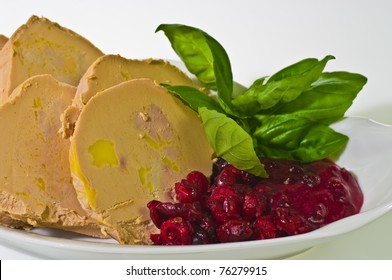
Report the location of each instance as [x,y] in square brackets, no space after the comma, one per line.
[236,206]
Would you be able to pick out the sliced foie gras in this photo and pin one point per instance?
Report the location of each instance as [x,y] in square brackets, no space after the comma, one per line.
[7,221]
[43,47]
[131,143]
[35,180]
[3,40]
[110,70]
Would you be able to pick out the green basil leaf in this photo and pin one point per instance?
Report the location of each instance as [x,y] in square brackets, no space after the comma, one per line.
[282,136]
[246,102]
[191,46]
[231,142]
[284,86]
[320,142]
[283,90]
[193,97]
[327,99]
[204,57]
[222,70]
[284,116]
[302,67]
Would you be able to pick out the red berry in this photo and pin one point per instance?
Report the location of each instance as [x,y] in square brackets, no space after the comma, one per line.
[230,175]
[234,230]
[264,228]
[176,231]
[227,176]
[255,205]
[291,222]
[188,211]
[156,216]
[187,192]
[156,239]
[205,230]
[225,204]
[207,224]
[201,237]
[200,180]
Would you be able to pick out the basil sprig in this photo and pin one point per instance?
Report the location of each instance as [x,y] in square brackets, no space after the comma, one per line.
[286,115]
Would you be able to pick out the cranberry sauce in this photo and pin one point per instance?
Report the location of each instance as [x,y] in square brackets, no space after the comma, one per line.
[234,205]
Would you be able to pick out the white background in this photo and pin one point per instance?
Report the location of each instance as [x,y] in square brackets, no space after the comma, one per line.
[260,38]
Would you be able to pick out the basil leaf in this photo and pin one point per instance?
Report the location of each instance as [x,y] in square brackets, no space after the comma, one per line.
[284,86]
[191,46]
[222,70]
[282,136]
[284,116]
[327,99]
[231,142]
[193,97]
[205,58]
[302,67]
[246,102]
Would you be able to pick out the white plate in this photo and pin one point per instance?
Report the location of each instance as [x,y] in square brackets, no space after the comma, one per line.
[368,156]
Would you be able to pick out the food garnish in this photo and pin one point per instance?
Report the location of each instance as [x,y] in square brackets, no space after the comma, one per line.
[286,115]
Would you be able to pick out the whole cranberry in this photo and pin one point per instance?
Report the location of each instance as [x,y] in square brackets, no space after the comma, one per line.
[187,192]
[234,230]
[264,228]
[225,204]
[176,231]
[217,166]
[199,179]
[228,176]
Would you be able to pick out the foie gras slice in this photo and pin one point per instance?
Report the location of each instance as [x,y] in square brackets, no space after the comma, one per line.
[35,179]
[110,70]
[5,219]
[44,47]
[131,143]
[3,40]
